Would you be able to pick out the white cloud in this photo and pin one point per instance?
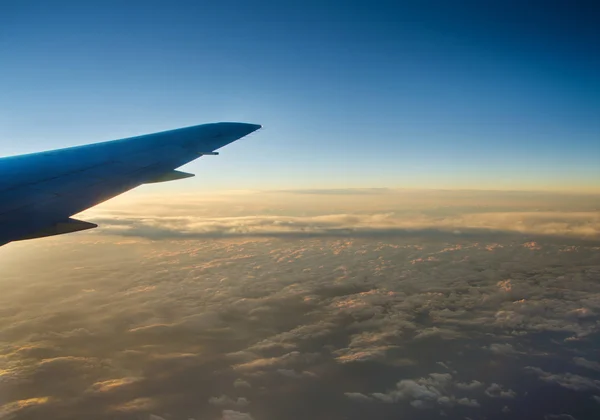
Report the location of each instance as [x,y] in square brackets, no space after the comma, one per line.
[387,213]
[469,386]
[226,401]
[502,348]
[419,404]
[357,396]
[423,392]
[241,383]
[443,333]
[235,415]
[589,364]
[566,380]
[497,391]
[292,358]
[291,373]
[468,402]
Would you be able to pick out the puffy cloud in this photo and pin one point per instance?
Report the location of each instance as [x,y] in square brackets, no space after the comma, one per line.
[504,348]
[425,388]
[236,415]
[566,380]
[289,359]
[290,373]
[361,354]
[226,401]
[437,389]
[496,391]
[241,383]
[468,402]
[9,410]
[420,404]
[111,385]
[469,386]
[430,388]
[136,405]
[357,396]
[443,333]
[588,364]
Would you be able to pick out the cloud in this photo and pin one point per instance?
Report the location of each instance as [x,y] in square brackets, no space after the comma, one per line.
[576,226]
[9,410]
[437,389]
[339,191]
[357,396]
[504,349]
[241,383]
[443,333]
[566,380]
[469,386]
[290,373]
[297,328]
[388,213]
[112,385]
[429,388]
[420,404]
[236,415]
[588,364]
[294,358]
[496,391]
[361,354]
[226,401]
[136,405]
[468,402]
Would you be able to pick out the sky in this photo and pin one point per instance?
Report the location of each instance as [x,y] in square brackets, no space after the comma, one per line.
[414,233]
[427,94]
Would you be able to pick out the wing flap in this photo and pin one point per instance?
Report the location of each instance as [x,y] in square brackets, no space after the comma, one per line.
[67,226]
[170,176]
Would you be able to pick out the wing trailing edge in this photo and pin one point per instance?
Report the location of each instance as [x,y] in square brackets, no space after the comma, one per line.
[67,226]
[170,176]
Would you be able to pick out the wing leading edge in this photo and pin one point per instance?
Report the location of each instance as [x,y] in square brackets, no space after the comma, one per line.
[40,192]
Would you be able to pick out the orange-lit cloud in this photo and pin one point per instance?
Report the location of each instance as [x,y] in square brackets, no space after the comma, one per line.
[387,213]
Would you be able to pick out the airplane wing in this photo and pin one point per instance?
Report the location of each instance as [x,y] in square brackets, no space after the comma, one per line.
[40,192]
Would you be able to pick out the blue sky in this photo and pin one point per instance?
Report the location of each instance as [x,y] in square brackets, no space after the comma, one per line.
[462,94]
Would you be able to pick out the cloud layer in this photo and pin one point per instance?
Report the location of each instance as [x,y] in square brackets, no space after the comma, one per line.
[265,328]
[384,213]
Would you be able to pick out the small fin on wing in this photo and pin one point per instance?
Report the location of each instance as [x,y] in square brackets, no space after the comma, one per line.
[170,176]
[66,226]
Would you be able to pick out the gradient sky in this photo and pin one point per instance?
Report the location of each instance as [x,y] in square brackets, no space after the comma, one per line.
[462,94]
